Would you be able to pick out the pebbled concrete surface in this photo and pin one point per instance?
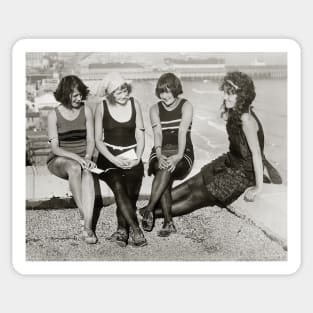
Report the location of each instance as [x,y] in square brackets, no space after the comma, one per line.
[209,234]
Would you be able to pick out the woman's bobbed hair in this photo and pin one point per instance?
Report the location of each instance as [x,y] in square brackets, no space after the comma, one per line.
[66,88]
[169,82]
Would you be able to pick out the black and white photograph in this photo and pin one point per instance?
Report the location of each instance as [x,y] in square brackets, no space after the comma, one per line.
[156,156]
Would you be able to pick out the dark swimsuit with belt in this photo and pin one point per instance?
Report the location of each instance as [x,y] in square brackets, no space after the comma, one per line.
[119,137]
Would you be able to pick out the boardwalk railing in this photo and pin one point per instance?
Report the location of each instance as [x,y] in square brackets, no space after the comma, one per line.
[38,148]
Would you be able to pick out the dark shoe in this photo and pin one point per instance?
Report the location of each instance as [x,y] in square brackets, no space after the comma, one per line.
[148,221]
[89,236]
[167,229]
[137,238]
[120,237]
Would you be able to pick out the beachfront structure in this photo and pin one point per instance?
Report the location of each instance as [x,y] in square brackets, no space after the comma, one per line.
[195,64]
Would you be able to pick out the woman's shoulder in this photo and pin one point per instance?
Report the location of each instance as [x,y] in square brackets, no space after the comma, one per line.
[53,113]
[245,118]
[154,107]
[99,107]
[88,111]
[185,103]
[184,100]
[136,102]
[248,122]
[187,107]
[92,102]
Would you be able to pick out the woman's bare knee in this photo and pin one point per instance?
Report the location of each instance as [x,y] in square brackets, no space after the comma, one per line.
[74,169]
[87,176]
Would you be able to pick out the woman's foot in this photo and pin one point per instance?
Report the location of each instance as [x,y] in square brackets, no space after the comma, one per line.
[167,229]
[142,211]
[89,236]
[138,238]
[148,220]
[120,237]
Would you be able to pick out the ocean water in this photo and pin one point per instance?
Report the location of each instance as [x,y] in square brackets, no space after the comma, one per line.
[208,131]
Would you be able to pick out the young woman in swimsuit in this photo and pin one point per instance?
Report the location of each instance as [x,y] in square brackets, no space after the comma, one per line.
[120,140]
[71,135]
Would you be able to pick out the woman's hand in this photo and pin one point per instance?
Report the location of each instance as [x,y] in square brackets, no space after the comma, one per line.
[90,164]
[172,161]
[86,164]
[163,163]
[133,163]
[121,162]
[251,193]
[82,161]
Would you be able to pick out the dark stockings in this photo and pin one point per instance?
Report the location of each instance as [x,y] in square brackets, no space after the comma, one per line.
[126,195]
[166,203]
[161,193]
[133,185]
[188,197]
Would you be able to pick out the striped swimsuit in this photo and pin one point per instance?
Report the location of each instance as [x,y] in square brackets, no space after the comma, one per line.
[71,134]
[170,122]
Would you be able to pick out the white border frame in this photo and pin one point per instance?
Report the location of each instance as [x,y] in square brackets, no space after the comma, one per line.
[157,45]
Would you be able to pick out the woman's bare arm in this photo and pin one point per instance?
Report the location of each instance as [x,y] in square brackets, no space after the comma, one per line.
[157,135]
[140,131]
[187,114]
[250,129]
[90,133]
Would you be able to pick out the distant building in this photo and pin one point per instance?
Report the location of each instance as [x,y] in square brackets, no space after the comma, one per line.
[258,62]
[45,100]
[195,64]
[99,70]
[258,70]
[49,84]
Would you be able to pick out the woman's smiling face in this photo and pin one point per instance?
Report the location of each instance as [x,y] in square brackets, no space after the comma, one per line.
[76,98]
[230,98]
[121,95]
[167,97]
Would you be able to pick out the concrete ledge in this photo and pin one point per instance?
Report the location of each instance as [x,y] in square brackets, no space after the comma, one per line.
[42,186]
[56,203]
[47,191]
[268,212]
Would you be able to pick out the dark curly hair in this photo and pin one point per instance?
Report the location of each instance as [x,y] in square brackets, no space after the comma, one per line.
[169,82]
[242,85]
[66,88]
